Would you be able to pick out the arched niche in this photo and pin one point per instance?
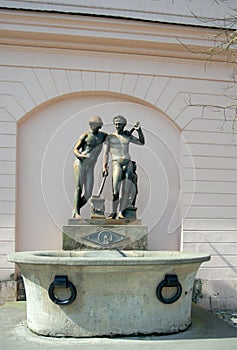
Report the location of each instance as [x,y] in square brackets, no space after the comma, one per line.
[45,183]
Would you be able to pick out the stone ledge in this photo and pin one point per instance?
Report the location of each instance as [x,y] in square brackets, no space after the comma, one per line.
[100,222]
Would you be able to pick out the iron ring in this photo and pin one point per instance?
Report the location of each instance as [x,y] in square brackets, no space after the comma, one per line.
[58,301]
[169,281]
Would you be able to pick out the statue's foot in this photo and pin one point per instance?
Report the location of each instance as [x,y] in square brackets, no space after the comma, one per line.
[77,216]
[121,216]
[112,216]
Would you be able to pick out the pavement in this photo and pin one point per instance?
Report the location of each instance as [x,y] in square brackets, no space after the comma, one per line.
[207,332]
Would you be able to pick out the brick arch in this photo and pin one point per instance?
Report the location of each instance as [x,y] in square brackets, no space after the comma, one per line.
[123,96]
[31,88]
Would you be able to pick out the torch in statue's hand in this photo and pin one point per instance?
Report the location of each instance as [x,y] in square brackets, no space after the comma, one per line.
[136,127]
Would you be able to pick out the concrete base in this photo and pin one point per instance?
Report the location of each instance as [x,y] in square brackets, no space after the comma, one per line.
[104,234]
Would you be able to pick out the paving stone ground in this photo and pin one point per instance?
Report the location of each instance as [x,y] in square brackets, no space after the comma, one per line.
[208,331]
[229,316]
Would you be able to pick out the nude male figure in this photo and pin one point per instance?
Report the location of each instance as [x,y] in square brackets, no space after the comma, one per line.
[117,145]
[87,150]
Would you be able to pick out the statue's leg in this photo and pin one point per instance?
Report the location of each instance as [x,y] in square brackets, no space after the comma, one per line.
[78,199]
[76,193]
[115,205]
[117,177]
[88,176]
[86,182]
[126,188]
[81,203]
[89,180]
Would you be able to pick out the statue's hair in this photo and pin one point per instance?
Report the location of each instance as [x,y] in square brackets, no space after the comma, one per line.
[120,117]
[96,119]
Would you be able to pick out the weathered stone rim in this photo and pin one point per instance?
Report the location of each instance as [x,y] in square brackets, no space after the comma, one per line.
[107,257]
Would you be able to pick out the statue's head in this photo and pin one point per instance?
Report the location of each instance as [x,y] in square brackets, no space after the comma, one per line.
[95,122]
[120,119]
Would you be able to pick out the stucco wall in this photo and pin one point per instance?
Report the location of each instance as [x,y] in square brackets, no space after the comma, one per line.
[33,76]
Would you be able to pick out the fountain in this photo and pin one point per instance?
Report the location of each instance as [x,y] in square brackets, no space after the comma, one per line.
[103,282]
[108,292]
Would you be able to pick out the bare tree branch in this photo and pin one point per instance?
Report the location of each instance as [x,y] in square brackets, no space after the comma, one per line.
[224,42]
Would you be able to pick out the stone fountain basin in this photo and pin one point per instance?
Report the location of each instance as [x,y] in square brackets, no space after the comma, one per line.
[103,293]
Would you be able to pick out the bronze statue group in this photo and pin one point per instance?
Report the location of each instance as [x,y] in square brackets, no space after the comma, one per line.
[124,176]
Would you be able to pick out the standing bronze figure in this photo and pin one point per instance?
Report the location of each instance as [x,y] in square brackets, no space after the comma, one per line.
[87,150]
[117,145]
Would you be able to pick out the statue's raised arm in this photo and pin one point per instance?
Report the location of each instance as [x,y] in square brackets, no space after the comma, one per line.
[140,140]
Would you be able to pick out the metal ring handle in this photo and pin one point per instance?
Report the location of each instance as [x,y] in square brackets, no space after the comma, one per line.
[169,281]
[62,282]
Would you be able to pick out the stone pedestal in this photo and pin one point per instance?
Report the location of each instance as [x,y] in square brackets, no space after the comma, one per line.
[125,234]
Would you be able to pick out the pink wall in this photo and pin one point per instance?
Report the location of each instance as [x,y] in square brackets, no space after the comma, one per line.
[45,176]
